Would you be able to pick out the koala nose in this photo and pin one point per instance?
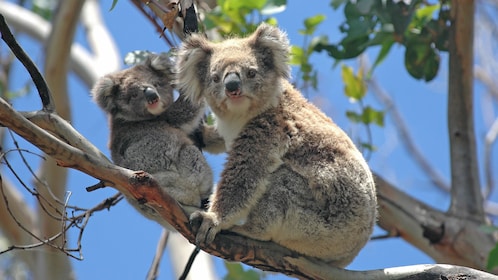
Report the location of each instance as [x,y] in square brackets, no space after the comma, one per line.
[232,83]
[151,95]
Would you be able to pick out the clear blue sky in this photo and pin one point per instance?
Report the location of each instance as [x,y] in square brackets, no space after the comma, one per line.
[110,244]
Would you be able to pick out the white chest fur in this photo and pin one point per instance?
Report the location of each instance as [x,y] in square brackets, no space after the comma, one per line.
[229,129]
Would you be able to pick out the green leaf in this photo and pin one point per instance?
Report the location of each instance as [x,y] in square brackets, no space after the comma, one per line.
[274,6]
[237,5]
[44,8]
[353,116]
[368,146]
[311,23]
[272,21]
[354,86]
[365,6]
[296,55]
[337,3]
[422,60]
[384,50]
[114,2]
[370,115]
[237,272]
[493,258]
[426,13]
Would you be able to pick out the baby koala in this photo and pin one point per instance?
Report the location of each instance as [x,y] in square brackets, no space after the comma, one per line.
[292,176]
[150,132]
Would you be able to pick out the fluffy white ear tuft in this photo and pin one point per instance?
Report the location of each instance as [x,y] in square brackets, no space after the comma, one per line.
[102,93]
[192,67]
[274,44]
[161,62]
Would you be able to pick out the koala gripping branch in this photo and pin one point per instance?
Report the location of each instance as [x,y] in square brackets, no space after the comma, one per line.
[76,152]
[263,255]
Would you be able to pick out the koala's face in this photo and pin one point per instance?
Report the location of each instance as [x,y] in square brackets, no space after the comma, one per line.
[237,75]
[141,92]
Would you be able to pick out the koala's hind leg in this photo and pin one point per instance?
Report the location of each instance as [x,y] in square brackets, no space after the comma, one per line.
[267,219]
[178,188]
[195,170]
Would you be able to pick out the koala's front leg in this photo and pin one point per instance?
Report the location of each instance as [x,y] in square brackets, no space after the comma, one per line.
[184,114]
[255,154]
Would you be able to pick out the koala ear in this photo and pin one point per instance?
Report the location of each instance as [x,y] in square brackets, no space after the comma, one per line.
[192,66]
[273,44]
[103,93]
[162,63]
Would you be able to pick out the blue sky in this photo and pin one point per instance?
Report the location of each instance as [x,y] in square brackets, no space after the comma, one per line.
[110,246]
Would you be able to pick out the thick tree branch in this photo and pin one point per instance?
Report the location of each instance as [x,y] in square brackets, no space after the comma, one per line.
[263,255]
[64,131]
[466,197]
[444,237]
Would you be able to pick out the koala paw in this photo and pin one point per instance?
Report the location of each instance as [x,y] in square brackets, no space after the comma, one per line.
[206,224]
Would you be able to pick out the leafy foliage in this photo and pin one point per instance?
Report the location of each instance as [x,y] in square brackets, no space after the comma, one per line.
[234,17]
[355,88]
[237,272]
[493,258]
[300,55]
[114,2]
[44,8]
[382,23]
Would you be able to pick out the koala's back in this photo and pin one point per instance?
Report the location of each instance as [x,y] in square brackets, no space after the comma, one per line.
[134,144]
[149,131]
[291,176]
[321,194]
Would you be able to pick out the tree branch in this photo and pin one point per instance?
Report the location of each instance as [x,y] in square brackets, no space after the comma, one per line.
[141,186]
[161,245]
[36,76]
[264,255]
[105,52]
[442,236]
[406,138]
[466,197]
[13,199]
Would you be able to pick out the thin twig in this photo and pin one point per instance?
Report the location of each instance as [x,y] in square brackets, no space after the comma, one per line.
[405,136]
[190,262]
[36,76]
[154,20]
[161,245]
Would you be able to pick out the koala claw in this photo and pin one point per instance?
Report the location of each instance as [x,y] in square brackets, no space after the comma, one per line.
[207,226]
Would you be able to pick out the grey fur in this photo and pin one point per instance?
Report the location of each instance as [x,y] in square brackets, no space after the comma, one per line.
[150,132]
[292,175]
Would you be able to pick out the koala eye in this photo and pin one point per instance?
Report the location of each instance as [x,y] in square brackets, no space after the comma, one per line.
[251,73]
[215,78]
